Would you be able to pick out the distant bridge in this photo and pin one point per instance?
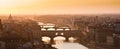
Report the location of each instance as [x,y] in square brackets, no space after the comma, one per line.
[51,31]
[67,34]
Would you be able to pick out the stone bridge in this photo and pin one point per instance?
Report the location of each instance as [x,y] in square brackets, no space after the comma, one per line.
[67,34]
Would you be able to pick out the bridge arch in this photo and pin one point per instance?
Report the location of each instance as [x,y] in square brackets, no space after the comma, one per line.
[73,39]
[46,39]
[59,39]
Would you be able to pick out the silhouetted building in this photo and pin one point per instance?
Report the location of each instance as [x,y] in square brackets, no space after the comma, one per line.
[102,33]
[116,35]
[10,19]
[1,26]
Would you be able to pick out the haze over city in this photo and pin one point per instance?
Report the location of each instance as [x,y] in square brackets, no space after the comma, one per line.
[59,24]
[43,7]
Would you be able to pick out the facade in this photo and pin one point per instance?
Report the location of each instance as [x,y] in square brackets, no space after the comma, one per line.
[102,33]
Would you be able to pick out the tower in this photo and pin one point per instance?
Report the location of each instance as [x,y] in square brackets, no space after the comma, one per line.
[10,19]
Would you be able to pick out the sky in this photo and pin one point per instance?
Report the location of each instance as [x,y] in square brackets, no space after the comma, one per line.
[59,7]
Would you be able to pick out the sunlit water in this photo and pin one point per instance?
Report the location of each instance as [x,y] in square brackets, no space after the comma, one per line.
[61,44]
[69,46]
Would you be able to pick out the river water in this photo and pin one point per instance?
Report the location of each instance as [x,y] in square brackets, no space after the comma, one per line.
[61,44]
[67,45]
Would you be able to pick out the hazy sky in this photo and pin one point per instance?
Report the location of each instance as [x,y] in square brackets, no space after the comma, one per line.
[59,6]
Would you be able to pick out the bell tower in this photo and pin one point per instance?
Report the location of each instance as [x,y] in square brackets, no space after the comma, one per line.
[10,19]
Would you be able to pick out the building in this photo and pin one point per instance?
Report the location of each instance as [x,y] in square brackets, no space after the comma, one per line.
[1,28]
[116,35]
[102,33]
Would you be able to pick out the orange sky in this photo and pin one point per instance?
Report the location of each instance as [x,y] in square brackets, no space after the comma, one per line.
[59,6]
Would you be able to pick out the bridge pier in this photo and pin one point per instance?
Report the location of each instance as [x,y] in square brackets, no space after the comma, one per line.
[66,35]
[52,40]
[67,39]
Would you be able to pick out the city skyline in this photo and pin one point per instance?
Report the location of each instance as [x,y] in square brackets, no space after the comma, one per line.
[45,7]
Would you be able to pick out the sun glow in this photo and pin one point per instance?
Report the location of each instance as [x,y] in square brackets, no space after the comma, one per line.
[16,6]
[14,3]
[8,3]
[59,6]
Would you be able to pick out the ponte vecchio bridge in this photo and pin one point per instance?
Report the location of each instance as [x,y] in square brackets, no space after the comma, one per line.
[52,31]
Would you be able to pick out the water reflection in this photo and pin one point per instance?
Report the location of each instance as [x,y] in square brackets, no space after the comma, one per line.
[61,44]
[72,39]
[46,39]
[58,39]
[70,46]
